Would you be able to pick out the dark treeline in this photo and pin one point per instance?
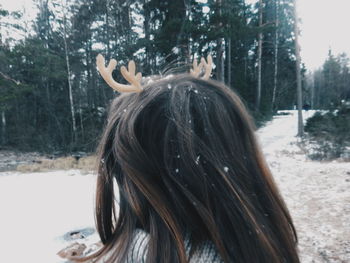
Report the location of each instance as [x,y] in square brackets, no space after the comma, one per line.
[53,99]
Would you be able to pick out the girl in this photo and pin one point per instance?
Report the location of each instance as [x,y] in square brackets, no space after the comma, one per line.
[193,184]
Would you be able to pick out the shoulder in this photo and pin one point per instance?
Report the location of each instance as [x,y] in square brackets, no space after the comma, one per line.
[138,248]
[207,253]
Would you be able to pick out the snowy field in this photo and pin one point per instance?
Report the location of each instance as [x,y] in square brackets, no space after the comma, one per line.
[39,211]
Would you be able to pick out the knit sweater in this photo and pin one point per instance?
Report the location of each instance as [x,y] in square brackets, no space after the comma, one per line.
[137,254]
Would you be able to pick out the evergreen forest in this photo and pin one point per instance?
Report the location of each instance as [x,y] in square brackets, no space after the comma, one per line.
[52,98]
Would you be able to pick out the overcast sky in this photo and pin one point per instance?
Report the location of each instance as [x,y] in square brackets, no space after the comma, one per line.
[325,24]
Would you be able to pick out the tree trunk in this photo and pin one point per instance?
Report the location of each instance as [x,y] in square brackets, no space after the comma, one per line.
[48,102]
[229,64]
[298,73]
[220,63]
[107,36]
[3,127]
[146,28]
[0,34]
[312,92]
[68,72]
[188,41]
[81,112]
[221,60]
[258,91]
[276,57]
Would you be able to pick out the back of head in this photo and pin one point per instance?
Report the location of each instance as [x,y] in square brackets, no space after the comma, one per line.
[188,169]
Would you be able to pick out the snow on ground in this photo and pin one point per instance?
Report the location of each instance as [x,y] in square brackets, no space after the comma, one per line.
[317,194]
[37,209]
[40,210]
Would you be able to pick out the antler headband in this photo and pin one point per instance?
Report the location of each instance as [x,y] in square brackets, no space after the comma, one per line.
[128,74]
[135,80]
[207,65]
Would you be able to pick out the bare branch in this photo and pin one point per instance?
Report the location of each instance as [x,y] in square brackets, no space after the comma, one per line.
[9,78]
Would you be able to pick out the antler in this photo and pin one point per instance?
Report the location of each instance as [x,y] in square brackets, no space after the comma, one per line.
[196,68]
[128,74]
[207,65]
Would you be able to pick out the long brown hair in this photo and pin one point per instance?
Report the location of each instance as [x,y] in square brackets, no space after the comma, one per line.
[188,169]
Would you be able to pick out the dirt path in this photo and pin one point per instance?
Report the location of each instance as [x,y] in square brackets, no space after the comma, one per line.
[317,194]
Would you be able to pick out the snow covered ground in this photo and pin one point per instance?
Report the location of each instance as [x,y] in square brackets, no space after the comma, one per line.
[40,210]
[317,194]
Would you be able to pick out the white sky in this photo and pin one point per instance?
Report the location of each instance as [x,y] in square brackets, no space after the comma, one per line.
[325,24]
[13,5]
